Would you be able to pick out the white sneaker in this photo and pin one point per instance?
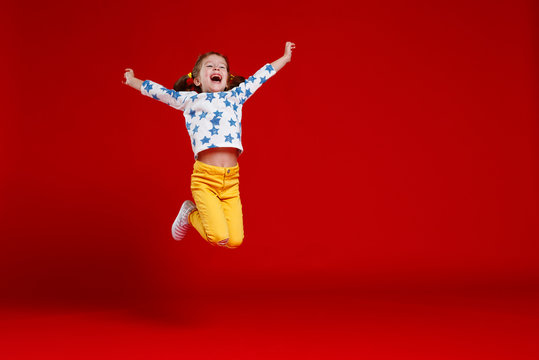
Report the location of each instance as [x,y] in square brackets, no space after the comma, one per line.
[181,224]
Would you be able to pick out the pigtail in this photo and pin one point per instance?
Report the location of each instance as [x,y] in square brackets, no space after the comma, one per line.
[185,83]
[234,81]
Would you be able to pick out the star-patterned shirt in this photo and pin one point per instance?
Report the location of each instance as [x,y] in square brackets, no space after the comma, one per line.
[212,119]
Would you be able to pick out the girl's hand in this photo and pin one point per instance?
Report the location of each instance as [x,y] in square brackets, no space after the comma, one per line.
[131,80]
[129,76]
[285,59]
[289,46]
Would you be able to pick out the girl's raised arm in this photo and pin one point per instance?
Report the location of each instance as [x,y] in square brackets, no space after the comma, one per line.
[285,59]
[131,80]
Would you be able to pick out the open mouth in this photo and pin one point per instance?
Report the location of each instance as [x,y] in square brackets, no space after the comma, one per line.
[216,78]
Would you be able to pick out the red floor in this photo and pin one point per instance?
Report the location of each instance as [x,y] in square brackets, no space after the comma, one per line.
[374,326]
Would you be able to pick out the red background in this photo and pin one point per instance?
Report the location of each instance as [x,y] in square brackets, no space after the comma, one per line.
[398,149]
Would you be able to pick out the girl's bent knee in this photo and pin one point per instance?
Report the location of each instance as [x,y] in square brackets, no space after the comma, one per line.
[225,241]
[234,243]
[217,237]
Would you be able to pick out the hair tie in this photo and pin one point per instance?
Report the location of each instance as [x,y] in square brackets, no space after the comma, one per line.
[190,75]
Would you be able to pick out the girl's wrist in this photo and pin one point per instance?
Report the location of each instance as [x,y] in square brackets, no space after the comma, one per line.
[134,83]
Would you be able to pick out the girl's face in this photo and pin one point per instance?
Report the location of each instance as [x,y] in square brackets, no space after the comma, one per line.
[213,76]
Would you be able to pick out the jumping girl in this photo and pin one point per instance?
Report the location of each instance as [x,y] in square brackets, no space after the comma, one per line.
[211,99]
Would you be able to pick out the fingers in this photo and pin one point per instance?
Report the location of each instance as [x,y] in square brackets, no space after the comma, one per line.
[289,47]
[128,74]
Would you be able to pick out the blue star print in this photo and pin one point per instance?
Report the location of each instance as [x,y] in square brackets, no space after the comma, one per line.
[192,113]
[210,97]
[215,121]
[248,93]
[194,142]
[238,135]
[194,97]
[214,131]
[195,130]
[188,125]
[235,106]
[222,95]
[212,146]
[262,79]
[218,113]
[205,140]
[228,138]
[269,68]
[227,103]
[147,85]
[203,115]
[232,122]
[155,97]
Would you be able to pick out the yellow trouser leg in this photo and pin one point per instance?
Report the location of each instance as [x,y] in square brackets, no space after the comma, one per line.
[234,218]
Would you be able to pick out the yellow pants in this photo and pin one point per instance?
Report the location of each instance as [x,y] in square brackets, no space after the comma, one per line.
[217,197]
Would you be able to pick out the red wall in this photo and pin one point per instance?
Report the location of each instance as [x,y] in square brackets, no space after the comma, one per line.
[399,147]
